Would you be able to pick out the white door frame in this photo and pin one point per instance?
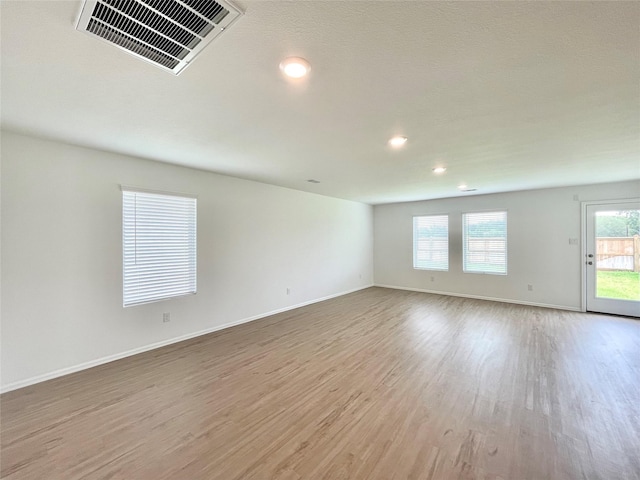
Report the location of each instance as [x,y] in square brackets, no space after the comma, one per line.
[583,240]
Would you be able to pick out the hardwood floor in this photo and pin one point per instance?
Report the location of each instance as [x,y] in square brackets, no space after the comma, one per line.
[378,384]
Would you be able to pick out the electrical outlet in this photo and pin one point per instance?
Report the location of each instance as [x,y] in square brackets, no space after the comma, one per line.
[288,290]
[530,287]
[166,317]
[433,279]
[573,241]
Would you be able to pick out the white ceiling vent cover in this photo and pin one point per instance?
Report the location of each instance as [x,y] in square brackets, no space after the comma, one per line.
[167,33]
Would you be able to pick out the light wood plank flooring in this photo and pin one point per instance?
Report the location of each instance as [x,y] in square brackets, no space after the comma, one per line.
[378,384]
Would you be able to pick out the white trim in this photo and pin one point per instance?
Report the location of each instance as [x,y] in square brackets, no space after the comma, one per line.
[110,358]
[583,256]
[584,239]
[481,297]
[607,202]
[583,243]
[463,217]
[129,188]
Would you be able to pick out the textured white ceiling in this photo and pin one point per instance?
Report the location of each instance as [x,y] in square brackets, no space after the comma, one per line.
[507,95]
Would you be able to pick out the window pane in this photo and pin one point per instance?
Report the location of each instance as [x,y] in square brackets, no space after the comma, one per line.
[618,254]
[485,242]
[158,246]
[431,242]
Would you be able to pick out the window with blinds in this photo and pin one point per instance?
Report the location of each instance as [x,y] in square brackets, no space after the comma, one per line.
[484,238]
[158,246]
[431,242]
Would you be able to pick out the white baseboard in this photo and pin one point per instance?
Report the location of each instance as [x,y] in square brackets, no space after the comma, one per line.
[110,358]
[482,297]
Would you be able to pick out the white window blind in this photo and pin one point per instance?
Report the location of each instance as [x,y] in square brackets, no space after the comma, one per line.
[431,242]
[158,246]
[484,238]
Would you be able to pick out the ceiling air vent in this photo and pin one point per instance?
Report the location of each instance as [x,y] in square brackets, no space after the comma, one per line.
[167,33]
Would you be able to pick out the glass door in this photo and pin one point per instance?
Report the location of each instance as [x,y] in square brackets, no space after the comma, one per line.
[613,258]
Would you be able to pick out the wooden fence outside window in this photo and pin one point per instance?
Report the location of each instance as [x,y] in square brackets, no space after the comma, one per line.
[618,253]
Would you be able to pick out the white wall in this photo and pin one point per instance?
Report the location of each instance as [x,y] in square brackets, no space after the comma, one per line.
[61,255]
[540,224]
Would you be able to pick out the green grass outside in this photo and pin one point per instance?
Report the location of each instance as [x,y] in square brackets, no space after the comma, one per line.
[622,285]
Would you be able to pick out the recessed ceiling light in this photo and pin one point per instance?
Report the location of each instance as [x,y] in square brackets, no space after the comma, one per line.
[463,186]
[439,169]
[397,141]
[311,180]
[295,67]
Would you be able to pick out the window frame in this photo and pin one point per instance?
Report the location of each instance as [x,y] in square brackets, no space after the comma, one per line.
[159,245]
[503,252]
[417,250]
